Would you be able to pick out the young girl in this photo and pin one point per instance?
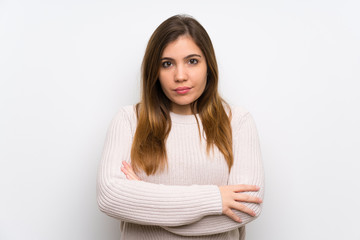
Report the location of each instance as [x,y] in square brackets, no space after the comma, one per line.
[181,164]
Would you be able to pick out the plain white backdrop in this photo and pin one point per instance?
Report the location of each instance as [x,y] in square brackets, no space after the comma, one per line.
[67,66]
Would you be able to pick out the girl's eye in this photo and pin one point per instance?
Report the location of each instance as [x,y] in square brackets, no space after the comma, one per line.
[166,64]
[193,61]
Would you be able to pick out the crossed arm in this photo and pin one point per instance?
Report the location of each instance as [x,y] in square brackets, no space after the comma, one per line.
[142,202]
[241,198]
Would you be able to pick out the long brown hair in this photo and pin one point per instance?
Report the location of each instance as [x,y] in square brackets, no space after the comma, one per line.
[148,152]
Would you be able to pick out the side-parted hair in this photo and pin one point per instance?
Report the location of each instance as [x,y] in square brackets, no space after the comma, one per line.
[148,152]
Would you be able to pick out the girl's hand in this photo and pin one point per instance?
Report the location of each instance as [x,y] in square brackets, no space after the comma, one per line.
[232,197]
[129,172]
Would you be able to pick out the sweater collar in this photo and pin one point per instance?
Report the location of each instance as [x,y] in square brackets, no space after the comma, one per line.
[185,119]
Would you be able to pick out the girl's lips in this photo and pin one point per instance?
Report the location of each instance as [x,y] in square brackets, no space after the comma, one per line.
[182,90]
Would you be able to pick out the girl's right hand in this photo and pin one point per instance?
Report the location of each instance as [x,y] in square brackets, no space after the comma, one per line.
[232,196]
[129,171]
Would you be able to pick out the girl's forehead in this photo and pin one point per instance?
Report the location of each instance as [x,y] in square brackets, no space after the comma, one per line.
[181,47]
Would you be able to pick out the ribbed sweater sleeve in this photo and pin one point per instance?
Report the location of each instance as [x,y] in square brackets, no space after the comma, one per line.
[142,202]
[247,169]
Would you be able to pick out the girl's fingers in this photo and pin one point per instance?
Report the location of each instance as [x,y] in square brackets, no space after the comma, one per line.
[129,172]
[233,198]
[247,198]
[133,175]
[129,177]
[128,166]
[232,215]
[242,208]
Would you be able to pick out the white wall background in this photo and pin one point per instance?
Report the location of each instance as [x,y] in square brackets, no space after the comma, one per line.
[67,66]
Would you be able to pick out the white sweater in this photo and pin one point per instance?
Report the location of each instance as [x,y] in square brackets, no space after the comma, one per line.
[184,201]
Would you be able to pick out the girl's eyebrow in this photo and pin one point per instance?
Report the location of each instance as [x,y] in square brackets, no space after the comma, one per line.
[188,56]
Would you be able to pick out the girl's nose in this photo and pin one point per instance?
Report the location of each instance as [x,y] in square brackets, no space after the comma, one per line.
[180,74]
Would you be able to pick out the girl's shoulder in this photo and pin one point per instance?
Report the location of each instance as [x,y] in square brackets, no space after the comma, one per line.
[236,112]
[126,117]
[241,119]
[127,112]
[240,116]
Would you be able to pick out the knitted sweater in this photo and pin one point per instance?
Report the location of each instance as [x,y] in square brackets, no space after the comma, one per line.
[183,201]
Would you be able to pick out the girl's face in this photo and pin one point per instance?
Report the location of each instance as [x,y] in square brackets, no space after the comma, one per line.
[183,73]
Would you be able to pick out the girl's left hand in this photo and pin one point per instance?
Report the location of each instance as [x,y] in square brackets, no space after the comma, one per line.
[129,172]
